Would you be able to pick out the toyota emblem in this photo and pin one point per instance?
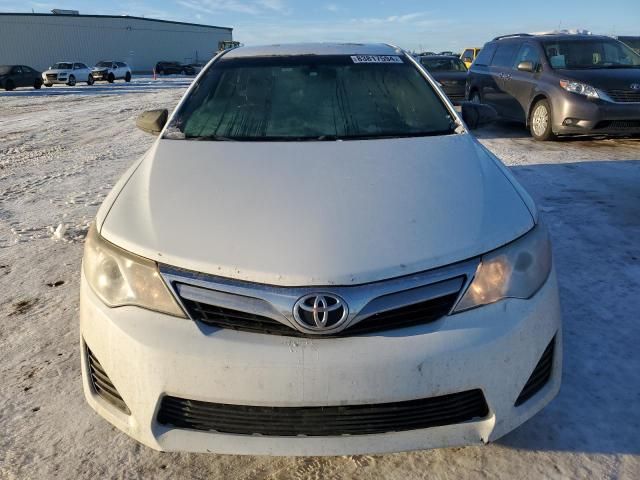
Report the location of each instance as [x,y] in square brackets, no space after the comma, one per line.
[320,312]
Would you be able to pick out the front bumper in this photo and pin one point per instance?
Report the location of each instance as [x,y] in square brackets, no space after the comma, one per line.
[149,355]
[594,117]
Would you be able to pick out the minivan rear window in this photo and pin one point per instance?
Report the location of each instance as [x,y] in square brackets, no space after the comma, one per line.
[486,55]
[311,98]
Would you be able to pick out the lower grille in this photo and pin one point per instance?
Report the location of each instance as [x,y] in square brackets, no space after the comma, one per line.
[52,76]
[416,314]
[617,124]
[624,96]
[323,421]
[102,385]
[540,376]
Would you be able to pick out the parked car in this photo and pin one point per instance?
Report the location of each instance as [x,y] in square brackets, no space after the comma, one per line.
[447,53]
[450,72]
[15,76]
[381,283]
[169,68]
[110,71]
[560,84]
[68,73]
[469,55]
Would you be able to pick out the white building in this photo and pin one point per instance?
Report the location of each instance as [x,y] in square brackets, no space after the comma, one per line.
[41,39]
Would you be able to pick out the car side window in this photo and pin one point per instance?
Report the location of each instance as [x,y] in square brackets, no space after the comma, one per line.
[527,53]
[120,64]
[504,54]
[17,70]
[76,66]
[485,56]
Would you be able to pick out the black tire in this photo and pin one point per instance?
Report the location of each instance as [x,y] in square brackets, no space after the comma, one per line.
[48,85]
[9,85]
[37,84]
[475,97]
[540,122]
[127,77]
[72,81]
[90,80]
[111,78]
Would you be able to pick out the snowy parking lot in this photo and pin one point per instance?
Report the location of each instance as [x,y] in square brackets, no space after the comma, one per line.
[62,149]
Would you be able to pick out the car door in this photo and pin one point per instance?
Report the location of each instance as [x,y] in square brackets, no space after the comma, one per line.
[522,83]
[17,76]
[500,72]
[30,76]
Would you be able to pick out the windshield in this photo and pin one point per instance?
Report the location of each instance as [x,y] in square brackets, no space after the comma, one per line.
[104,64]
[62,66]
[443,64]
[596,53]
[4,69]
[311,98]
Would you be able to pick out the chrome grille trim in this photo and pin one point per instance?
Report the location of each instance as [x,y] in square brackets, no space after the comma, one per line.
[276,302]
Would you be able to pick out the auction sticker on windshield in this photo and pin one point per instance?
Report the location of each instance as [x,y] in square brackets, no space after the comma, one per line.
[376,59]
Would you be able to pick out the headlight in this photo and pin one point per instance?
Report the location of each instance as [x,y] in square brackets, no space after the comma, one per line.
[122,278]
[517,270]
[579,88]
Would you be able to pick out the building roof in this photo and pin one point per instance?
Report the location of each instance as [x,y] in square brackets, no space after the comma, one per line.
[51,15]
[314,49]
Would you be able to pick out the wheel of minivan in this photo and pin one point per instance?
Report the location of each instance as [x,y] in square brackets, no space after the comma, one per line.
[72,81]
[127,77]
[540,121]
[475,97]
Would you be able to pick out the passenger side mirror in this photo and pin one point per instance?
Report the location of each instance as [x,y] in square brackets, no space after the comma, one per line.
[526,66]
[152,121]
[476,114]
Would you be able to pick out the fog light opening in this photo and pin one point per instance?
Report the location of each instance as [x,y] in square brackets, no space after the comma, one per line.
[570,122]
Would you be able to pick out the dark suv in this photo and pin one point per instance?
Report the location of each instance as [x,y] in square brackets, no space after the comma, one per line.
[169,68]
[560,84]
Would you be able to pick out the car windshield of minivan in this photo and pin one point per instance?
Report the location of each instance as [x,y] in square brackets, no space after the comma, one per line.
[311,97]
[590,54]
[62,66]
[443,64]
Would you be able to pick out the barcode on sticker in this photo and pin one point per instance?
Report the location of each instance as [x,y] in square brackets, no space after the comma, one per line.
[376,59]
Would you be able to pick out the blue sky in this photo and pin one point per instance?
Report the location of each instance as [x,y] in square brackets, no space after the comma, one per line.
[412,24]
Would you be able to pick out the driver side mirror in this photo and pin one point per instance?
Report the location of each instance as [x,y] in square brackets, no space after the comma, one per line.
[152,121]
[476,114]
[526,66]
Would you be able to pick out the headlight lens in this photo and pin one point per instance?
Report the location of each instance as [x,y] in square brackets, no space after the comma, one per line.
[517,270]
[579,88]
[121,278]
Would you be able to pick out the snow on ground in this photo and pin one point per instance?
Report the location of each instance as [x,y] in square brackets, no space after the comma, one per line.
[61,150]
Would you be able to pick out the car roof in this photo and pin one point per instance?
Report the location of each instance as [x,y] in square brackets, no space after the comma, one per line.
[314,49]
[550,36]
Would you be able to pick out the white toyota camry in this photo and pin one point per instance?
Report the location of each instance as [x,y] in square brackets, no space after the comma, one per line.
[316,257]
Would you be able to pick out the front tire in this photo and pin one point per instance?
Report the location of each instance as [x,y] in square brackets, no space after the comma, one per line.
[72,81]
[37,84]
[540,123]
[9,85]
[127,77]
[48,85]
[90,80]
[111,78]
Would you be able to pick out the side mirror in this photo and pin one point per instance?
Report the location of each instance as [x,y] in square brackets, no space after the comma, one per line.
[152,121]
[476,114]
[526,66]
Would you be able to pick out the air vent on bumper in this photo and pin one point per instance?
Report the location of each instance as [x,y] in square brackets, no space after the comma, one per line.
[540,376]
[102,384]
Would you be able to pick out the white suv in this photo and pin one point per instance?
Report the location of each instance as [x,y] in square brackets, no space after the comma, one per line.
[111,71]
[68,73]
[316,257]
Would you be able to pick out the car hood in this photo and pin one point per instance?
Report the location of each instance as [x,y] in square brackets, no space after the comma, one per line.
[316,213]
[605,78]
[57,71]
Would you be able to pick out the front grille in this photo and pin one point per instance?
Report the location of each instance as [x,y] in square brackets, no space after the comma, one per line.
[416,314]
[323,421]
[617,124]
[540,376]
[102,385]
[624,96]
